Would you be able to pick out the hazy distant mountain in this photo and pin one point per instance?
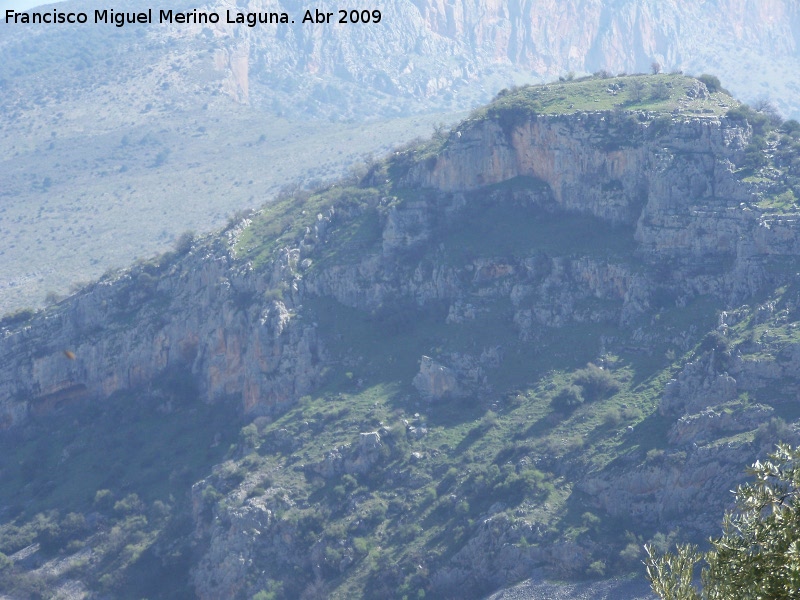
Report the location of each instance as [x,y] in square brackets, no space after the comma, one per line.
[441,51]
[424,52]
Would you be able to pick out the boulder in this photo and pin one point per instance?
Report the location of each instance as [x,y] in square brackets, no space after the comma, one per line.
[434,380]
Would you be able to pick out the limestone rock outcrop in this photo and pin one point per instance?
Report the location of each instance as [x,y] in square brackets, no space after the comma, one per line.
[434,380]
[125,332]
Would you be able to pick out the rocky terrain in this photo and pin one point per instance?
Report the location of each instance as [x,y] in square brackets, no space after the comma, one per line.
[552,333]
[607,590]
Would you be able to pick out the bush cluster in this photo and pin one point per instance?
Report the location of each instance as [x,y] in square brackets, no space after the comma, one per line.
[589,384]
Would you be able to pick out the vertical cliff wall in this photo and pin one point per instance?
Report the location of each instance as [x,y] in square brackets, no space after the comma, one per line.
[197,317]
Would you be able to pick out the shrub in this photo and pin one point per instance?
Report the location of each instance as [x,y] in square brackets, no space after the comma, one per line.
[248,436]
[256,492]
[568,398]
[632,413]
[54,535]
[715,341]
[429,495]
[210,497]
[376,513]
[104,500]
[774,431]
[597,383]
[489,420]
[612,417]
[273,590]
[637,88]
[754,157]
[514,110]
[339,493]
[660,91]
[515,487]
[130,504]
[410,531]
[760,122]
[766,108]
[590,521]
[711,82]
[184,242]
[791,127]
[631,555]
[18,316]
[597,569]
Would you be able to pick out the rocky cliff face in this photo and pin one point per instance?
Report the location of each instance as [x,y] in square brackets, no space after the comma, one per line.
[187,91]
[679,191]
[477,276]
[209,313]
[620,35]
[192,316]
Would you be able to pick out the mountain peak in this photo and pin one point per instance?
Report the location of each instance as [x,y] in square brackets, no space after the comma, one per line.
[658,93]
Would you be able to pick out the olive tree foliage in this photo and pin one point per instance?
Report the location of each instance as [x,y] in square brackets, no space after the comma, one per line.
[758,554]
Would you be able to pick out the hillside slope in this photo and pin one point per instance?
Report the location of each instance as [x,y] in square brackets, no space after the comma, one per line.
[548,335]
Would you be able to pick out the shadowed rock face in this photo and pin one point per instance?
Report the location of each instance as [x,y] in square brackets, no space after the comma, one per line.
[123,336]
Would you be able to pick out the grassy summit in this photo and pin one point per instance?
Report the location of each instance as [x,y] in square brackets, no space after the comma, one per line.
[657,93]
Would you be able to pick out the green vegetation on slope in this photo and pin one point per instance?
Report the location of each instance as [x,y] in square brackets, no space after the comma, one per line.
[770,161]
